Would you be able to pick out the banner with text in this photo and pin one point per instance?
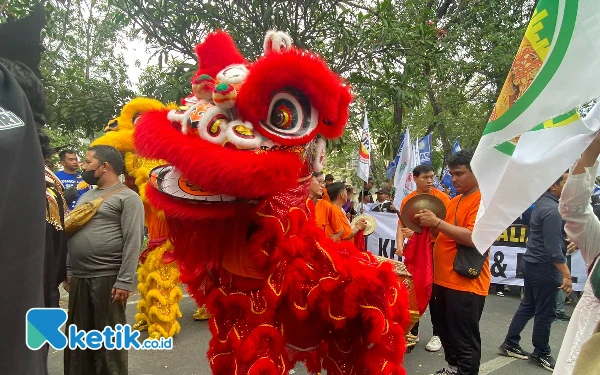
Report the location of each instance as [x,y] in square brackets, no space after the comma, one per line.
[505,258]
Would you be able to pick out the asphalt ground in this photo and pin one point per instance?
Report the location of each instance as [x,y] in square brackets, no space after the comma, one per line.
[188,354]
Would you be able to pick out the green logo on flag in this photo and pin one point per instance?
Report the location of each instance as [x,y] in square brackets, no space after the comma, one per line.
[539,57]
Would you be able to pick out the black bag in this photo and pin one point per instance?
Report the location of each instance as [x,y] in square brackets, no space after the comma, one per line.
[468,261]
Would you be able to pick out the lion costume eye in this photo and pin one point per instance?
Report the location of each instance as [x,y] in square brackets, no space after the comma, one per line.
[213,124]
[290,115]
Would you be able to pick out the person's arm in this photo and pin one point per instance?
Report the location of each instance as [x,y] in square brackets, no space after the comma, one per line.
[360,225]
[553,240]
[132,227]
[457,234]
[399,240]
[582,226]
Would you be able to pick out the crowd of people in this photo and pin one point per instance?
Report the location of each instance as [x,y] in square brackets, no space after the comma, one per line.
[456,302]
[97,263]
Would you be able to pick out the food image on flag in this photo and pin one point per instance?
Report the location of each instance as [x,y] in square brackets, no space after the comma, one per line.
[528,61]
[534,133]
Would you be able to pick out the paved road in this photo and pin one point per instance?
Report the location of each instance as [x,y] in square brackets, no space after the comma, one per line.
[188,354]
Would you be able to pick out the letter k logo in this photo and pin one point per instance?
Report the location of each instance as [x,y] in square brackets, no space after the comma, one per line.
[44,325]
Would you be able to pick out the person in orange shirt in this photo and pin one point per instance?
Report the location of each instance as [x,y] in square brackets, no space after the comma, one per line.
[423,175]
[458,300]
[340,225]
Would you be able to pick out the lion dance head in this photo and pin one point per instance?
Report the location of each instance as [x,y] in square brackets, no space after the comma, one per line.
[246,141]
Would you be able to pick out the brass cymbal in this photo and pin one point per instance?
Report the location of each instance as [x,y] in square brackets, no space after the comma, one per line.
[421,202]
[371,223]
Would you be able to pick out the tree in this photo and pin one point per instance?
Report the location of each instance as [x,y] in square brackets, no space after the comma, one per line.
[436,65]
[84,73]
[443,65]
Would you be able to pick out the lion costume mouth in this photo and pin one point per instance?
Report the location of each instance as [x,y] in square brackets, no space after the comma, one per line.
[168,180]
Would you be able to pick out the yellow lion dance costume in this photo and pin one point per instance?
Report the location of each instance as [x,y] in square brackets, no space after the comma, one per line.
[158,275]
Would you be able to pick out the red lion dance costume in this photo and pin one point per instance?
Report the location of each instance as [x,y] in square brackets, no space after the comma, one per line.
[235,198]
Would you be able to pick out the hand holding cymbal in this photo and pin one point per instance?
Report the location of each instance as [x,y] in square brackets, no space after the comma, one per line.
[425,206]
[361,224]
[427,218]
[369,223]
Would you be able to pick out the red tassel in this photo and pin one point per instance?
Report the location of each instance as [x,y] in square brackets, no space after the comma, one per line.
[418,258]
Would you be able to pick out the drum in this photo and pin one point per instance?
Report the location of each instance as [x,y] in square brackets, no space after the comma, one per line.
[413,309]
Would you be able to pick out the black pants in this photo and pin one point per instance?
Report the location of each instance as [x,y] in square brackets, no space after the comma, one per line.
[415,329]
[541,287]
[457,316]
[91,307]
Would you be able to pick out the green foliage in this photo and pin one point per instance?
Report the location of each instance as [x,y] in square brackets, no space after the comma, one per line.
[167,84]
[434,65]
[83,67]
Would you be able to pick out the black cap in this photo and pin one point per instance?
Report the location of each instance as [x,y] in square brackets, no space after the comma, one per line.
[329,177]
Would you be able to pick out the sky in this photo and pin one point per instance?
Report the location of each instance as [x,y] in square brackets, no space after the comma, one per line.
[135,50]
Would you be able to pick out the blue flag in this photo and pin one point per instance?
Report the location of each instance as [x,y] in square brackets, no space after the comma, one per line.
[391,169]
[425,150]
[447,179]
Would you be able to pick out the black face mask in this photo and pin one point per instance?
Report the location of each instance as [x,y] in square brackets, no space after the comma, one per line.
[89,178]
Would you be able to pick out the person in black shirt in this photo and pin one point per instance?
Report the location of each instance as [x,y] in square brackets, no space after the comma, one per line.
[383,204]
[596,205]
[544,272]
[22,191]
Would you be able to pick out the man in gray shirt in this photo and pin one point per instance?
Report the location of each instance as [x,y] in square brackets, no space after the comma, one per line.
[103,258]
[544,273]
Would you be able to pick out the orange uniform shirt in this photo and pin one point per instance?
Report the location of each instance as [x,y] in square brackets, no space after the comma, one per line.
[339,221]
[445,249]
[323,216]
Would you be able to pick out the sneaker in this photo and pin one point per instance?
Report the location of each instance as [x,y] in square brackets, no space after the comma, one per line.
[500,294]
[545,361]
[562,316]
[516,352]
[434,345]
[446,371]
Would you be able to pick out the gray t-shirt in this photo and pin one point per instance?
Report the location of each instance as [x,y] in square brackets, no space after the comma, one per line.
[110,243]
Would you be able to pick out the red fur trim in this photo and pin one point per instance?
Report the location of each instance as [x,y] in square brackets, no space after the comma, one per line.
[306,72]
[242,174]
[217,52]
[265,339]
[264,366]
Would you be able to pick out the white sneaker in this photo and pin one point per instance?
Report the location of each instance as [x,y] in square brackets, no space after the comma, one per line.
[434,345]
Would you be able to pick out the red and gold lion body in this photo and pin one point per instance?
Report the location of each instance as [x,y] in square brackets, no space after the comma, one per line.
[235,198]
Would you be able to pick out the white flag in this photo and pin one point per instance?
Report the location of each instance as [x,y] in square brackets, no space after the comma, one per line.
[534,134]
[364,153]
[404,183]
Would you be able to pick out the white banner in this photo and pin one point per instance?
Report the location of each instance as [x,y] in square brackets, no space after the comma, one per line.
[404,183]
[505,257]
[364,152]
